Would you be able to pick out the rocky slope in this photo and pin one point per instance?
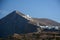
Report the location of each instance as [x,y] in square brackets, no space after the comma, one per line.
[17,22]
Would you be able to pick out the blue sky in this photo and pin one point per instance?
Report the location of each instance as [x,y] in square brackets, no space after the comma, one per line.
[35,8]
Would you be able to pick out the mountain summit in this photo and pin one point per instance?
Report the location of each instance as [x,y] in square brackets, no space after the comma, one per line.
[17,22]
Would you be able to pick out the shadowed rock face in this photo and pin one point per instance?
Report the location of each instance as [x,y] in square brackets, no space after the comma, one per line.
[16,22]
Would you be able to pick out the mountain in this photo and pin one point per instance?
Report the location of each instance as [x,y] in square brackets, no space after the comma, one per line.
[46,22]
[16,22]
